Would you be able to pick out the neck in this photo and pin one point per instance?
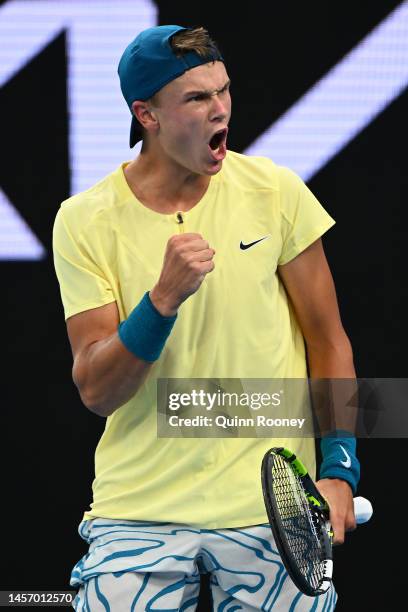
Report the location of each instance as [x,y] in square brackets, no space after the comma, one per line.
[164,186]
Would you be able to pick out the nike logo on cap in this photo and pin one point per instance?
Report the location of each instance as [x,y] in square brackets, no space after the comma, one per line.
[243,246]
[347,462]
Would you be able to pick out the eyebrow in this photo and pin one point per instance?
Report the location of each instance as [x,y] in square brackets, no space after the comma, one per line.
[206,92]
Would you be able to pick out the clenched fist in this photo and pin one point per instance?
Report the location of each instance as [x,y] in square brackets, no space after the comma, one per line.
[188,258]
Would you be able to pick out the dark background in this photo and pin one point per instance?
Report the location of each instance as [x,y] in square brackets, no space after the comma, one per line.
[275,51]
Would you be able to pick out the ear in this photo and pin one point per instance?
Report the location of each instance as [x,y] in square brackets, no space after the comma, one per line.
[145,115]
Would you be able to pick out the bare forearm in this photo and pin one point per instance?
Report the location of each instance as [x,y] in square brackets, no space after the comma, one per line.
[108,375]
[331,359]
[333,385]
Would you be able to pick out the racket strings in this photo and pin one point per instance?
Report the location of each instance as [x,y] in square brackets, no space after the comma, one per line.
[302,525]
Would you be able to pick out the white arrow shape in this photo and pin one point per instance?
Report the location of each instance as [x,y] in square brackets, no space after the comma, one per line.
[24,33]
[19,43]
[97,33]
[343,102]
[17,241]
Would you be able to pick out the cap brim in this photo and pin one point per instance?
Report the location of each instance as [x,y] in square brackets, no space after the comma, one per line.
[135,132]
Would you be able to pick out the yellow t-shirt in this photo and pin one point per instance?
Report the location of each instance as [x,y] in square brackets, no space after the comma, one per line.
[239,324]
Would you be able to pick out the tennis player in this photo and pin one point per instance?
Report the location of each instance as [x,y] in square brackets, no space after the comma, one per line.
[193,261]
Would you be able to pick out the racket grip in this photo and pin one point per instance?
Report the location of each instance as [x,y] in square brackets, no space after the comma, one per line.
[363,510]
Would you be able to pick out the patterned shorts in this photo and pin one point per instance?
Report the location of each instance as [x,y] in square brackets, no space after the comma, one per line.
[143,566]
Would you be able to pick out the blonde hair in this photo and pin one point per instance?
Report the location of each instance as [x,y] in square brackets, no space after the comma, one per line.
[195,39]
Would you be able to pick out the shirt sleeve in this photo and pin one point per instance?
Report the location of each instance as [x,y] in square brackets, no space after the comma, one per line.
[303,218]
[82,283]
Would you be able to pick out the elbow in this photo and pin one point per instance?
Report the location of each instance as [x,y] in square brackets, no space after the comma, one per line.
[87,394]
[103,406]
[95,406]
[337,346]
[337,342]
[331,357]
[343,345]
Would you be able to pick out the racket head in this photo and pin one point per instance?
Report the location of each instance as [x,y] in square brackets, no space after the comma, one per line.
[298,516]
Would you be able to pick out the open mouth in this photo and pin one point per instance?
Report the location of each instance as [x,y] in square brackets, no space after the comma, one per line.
[217,139]
[217,146]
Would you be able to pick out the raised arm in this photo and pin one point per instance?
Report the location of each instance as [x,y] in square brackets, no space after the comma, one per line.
[111,365]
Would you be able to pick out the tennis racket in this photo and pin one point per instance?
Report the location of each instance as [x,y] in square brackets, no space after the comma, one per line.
[299,518]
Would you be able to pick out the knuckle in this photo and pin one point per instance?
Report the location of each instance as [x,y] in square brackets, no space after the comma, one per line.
[351,525]
[173,240]
[181,249]
[194,265]
[184,254]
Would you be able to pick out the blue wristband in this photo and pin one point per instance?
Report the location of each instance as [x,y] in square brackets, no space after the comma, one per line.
[145,331]
[339,458]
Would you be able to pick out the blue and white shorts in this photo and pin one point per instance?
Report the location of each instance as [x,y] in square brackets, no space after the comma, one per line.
[140,566]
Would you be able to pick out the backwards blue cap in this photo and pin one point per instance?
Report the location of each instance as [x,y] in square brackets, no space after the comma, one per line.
[149,63]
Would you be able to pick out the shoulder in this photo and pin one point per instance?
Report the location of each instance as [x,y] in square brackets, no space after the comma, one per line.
[289,182]
[258,172]
[97,203]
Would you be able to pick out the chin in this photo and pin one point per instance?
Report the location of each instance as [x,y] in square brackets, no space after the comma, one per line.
[209,168]
[214,168]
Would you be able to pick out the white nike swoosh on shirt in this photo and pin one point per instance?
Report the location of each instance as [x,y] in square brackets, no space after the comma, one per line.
[346,463]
